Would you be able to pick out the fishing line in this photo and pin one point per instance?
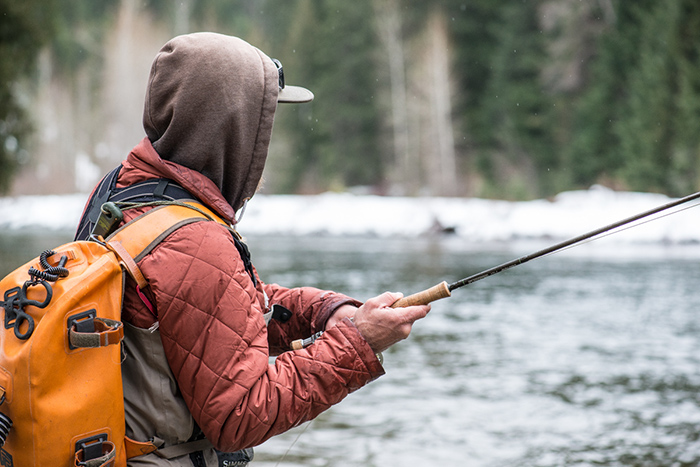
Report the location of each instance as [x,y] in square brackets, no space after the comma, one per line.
[293,443]
[619,230]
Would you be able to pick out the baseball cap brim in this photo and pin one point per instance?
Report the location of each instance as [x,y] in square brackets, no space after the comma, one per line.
[294,95]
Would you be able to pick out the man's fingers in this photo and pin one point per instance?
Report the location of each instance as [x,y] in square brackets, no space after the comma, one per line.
[413,313]
[386,299]
[383,326]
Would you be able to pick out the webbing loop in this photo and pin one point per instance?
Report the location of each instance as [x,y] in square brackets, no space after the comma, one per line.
[106,332]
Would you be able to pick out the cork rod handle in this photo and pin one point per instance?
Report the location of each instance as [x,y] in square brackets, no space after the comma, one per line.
[423,298]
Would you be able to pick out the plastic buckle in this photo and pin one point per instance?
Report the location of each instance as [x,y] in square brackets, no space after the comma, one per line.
[91,447]
[82,322]
[108,220]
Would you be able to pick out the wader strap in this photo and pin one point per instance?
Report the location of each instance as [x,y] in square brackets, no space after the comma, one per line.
[138,448]
[183,449]
[148,190]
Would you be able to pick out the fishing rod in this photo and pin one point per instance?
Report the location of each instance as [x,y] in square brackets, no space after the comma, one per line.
[444,290]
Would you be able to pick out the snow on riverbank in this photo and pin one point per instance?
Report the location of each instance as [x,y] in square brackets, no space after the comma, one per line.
[566,215]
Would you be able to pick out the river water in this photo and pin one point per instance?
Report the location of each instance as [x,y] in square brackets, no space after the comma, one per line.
[584,358]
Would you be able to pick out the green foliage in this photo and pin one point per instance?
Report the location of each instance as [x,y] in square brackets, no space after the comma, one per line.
[518,106]
[335,56]
[24,28]
[632,120]
[71,29]
[78,28]
[475,28]
[508,113]
[593,150]
[662,131]
[639,118]
[644,135]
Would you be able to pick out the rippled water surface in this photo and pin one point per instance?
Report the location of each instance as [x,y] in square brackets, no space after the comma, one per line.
[584,358]
[588,357]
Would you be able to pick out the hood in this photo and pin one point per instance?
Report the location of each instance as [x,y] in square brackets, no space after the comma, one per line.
[210,105]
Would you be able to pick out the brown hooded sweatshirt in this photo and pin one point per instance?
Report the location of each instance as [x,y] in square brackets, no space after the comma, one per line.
[208,116]
[210,104]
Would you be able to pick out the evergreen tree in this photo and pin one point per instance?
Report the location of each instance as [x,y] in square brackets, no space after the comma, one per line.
[686,118]
[632,122]
[637,122]
[591,152]
[78,30]
[474,27]
[660,138]
[645,134]
[517,111]
[336,137]
[500,54]
[24,27]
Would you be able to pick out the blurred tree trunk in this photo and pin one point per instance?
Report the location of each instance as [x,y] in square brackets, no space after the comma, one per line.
[402,176]
[443,175]
[129,50]
[90,117]
[183,13]
[430,108]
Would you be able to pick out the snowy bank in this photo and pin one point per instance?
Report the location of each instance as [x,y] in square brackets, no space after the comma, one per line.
[566,215]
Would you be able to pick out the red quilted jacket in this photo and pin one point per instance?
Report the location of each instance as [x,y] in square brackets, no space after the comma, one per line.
[210,318]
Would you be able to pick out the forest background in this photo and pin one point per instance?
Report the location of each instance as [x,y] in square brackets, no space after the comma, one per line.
[510,99]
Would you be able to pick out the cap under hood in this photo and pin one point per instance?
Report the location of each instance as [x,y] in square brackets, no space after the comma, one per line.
[210,106]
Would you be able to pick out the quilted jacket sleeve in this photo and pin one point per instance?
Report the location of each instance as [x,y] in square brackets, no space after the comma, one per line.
[311,309]
[216,342]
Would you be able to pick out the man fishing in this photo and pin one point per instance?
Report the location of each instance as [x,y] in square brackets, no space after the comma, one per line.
[196,344]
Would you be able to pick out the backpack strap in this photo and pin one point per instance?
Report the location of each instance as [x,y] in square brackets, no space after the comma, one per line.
[178,214]
[135,239]
[92,210]
[143,233]
[183,449]
[157,189]
[135,448]
[149,191]
[131,243]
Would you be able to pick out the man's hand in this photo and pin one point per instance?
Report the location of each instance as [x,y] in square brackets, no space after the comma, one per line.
[383,326]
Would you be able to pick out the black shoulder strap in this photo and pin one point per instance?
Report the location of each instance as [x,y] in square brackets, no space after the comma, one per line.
[151,190]
[98,198]
[158,189]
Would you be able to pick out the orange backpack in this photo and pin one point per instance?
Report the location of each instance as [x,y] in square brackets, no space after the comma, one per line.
[61,397]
